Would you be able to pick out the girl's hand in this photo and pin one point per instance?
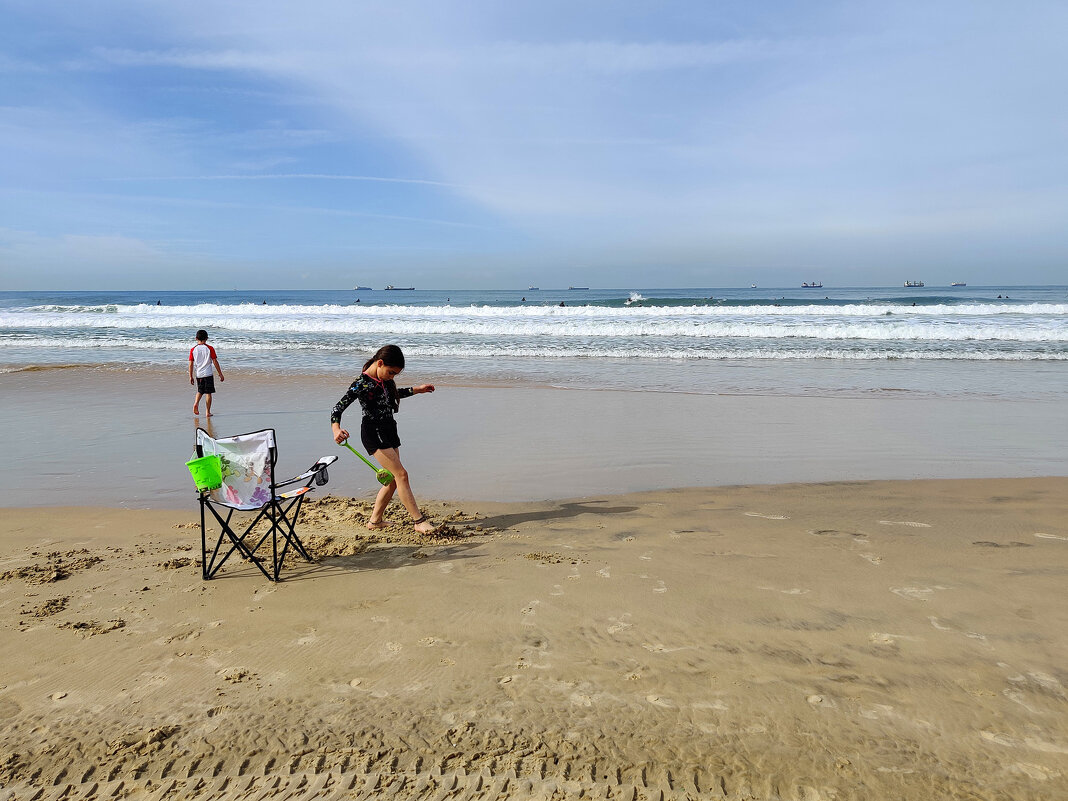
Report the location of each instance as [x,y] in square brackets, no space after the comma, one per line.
[340,436]
[423,388]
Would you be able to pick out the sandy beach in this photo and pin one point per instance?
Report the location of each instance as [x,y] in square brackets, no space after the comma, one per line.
[883,640]
[807,621]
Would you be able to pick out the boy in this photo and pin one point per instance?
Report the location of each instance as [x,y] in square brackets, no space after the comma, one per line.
[201,358]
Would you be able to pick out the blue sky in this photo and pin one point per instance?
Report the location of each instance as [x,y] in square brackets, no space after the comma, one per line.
[442,144]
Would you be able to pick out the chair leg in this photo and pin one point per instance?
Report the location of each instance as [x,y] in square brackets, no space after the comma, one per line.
[282,521]
[203,543]
[237,543]
[291,525]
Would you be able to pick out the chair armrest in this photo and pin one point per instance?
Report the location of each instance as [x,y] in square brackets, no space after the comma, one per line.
[321,464]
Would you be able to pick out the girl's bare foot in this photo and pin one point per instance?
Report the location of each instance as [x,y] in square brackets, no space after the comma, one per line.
[373,526]
[424,526]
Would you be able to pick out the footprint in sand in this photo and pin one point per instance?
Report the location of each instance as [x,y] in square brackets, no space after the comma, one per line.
[660,587]
[529,611]
[308,638]
[715,706]
[1018,697]
[656,700]
[604,572]
[1037,772]
[557,590]
[393,647]
[660,648]
[581,699]
[792,591]
[1027,742]
[903,523]
[821,700]
[916,593]
[1044,536]
[871,557]
[766,517]
[619,624]
[881,638]
[970,634]
[834,533]
[575,574]
[877,711]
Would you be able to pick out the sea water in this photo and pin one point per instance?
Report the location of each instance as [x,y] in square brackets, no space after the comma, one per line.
[957,341]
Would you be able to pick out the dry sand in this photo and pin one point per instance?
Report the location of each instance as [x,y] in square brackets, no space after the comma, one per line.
[887,640]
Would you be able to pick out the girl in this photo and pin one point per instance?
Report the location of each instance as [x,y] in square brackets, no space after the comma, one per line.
[379,397]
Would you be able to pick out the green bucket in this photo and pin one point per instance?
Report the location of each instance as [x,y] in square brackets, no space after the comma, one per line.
[206,472]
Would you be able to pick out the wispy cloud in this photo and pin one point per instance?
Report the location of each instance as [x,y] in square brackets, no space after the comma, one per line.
[602,57]
[294,176]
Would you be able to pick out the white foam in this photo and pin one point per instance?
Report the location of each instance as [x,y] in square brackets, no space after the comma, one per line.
[587,322]
[487,349]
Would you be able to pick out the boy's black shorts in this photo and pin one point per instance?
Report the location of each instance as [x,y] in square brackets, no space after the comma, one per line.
[377,436]
[206,385]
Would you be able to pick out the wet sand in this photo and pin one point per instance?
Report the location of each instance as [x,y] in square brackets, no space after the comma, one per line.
[115,438]
[885,640]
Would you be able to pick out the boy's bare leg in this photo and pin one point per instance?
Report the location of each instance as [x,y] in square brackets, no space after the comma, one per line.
[207,400]
[389,458]
[196,403]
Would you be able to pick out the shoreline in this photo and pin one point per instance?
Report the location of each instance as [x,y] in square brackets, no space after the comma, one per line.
[1036,380]
[888,640]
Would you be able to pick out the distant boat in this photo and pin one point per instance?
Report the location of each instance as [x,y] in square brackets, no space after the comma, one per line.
[365,288]
[818,285]
[913,283]
[578,287]
[958,283]
[400,288]
[533,289]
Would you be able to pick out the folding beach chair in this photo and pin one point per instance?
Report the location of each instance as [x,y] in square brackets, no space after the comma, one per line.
[248,485]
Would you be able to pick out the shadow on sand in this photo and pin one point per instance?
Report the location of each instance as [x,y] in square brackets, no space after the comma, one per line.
[386,556]
[558,512]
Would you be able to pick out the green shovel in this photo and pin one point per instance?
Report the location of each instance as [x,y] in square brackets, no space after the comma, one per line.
[384,476]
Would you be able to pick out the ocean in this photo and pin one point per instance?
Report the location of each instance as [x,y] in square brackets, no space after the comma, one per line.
[947,341]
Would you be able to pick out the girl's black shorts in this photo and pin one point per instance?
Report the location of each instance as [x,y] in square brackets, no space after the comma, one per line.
[376,436]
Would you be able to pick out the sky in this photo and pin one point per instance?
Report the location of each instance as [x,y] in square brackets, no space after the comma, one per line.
[485,144]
